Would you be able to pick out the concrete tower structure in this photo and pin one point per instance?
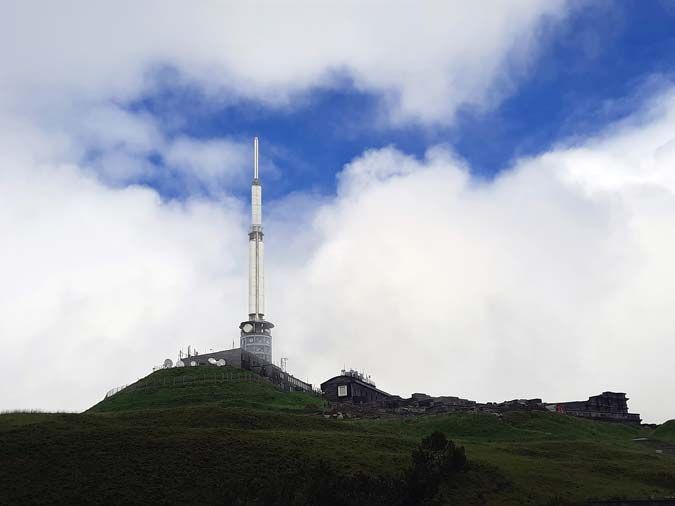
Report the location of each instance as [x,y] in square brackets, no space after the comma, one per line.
[256,332]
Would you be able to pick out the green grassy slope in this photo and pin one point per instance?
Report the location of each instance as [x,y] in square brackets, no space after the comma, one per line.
[169,440]
[223,387]
[665,432]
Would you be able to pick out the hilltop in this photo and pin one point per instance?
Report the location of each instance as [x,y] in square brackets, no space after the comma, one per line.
[215,436]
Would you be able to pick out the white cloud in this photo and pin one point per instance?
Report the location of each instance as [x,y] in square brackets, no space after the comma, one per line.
[118,145]
[427,60]
[554,280]
[73,78]
[107,127]
[215,161]
[98,281]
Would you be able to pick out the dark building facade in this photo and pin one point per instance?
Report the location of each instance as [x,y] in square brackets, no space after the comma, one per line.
[351,388]
[608,406]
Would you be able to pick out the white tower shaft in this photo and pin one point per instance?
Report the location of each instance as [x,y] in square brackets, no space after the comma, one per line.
[256,332]
[256,299]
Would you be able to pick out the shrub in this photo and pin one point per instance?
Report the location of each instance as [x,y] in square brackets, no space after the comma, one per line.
[434,460]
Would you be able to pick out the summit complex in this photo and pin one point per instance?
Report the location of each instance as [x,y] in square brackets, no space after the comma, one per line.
[255,334]
[353,387]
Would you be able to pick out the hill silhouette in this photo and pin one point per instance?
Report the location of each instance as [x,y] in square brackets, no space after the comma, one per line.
[221,436]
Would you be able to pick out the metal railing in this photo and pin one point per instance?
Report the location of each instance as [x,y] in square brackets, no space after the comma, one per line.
[115,390]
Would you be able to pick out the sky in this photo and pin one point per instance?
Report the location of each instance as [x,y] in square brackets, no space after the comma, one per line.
[458,200]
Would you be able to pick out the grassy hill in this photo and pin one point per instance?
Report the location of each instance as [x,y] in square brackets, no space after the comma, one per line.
[217,436]
[665,432]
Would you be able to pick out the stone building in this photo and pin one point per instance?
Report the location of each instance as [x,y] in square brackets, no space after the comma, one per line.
[608,406]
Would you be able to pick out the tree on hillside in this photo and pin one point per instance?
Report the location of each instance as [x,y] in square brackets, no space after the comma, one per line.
[435,459]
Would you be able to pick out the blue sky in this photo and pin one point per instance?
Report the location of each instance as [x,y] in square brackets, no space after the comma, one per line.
[590,71]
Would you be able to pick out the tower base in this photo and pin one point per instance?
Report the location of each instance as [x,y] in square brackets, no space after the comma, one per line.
[256,338]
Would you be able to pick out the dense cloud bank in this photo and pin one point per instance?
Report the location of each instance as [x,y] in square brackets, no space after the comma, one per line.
[554,281]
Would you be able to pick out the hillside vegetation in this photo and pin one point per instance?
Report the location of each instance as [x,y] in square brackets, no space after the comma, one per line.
[665,432]
[218,436]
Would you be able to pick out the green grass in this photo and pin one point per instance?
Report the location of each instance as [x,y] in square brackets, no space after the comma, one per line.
[665,432]
[169,440]
[223,387]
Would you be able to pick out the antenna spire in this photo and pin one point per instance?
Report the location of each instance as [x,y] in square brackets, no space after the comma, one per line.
[255,158]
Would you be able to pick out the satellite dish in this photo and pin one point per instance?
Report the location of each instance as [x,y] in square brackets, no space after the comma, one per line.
[168,363]
[193,363]
[180,363]
[221,362]
[212,361]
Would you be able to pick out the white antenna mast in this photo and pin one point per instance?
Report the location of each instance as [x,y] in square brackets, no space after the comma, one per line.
[256,336]
[255,158]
